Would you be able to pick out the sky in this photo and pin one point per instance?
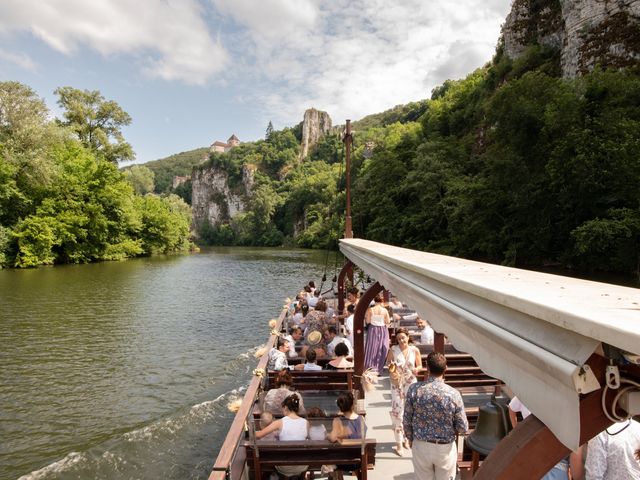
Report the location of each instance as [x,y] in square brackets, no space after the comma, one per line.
[190,72]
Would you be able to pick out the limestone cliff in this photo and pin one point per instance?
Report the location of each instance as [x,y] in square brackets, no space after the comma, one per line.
[315,125]
[213,200]
[587,32]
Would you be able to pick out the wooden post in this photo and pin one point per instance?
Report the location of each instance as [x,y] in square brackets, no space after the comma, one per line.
[438,342]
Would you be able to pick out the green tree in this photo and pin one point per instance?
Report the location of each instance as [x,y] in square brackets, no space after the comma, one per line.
[26,139]
[97,122]
[165,223]
[141,178]
[269,131]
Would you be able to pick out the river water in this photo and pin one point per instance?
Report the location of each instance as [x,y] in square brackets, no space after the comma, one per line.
[124,370]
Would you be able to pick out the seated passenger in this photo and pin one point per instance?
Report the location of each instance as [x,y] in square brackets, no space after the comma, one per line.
[284,388]
[317,321]
[334,339]
[349,425]
[266,419]
[278,355]
[426,332]
[340,362]
[290,427]
[317,430]
[311,364]
[395,303]
[295,338]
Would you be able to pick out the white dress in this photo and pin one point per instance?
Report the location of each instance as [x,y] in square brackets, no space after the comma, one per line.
[405,366]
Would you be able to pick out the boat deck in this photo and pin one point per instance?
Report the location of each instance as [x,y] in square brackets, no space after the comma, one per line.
[389,466]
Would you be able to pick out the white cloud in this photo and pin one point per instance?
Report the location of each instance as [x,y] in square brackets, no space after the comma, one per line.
[355,57]
[169,38]
[20,59]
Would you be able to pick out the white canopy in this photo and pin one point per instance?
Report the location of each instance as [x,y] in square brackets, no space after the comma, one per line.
[532,330]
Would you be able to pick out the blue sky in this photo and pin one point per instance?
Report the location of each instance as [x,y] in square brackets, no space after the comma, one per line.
[190,72]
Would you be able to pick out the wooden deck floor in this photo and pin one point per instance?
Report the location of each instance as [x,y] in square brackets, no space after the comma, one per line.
[388,465]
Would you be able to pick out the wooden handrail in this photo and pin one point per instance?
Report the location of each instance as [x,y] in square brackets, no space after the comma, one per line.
[224,461]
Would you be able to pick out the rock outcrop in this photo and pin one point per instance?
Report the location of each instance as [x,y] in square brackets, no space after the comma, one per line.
[587,32]
[315,125]
[213,200]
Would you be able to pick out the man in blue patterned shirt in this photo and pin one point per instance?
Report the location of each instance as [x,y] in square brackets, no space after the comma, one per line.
[433,415]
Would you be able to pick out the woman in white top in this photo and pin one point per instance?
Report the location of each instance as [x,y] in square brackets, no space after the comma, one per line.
[290,427]
[405,359]
[377,344]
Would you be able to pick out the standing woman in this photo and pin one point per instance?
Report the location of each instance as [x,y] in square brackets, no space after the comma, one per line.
[291,427]
[404,362]
[377,344]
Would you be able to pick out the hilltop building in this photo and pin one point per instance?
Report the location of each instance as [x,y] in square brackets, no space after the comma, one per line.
[222,147]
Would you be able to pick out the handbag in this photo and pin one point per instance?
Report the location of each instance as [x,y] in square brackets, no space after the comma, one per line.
[394,374]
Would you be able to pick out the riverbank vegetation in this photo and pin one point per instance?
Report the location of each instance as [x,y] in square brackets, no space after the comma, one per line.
[62,198]
[511,165]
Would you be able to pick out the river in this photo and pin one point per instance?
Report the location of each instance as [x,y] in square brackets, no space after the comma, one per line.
[124,370]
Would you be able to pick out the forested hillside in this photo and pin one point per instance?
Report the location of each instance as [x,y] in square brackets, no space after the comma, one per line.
[62,198]
[512,164]
[179,164]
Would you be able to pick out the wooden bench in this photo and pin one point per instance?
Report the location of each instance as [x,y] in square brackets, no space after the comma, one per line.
[263,456]
[317,379]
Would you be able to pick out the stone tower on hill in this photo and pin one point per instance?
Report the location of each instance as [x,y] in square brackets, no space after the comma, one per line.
[587,32]
[222,147]
[315,125]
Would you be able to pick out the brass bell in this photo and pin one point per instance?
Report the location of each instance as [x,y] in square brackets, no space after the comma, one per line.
[492,426]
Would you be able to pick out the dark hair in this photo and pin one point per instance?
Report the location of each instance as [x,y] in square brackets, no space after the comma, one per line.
[283,377]
[315,412]
[312,284]
[341,350]
[321,305]
[292,402]
[305,309]
[406,332]
[332,329]
[354,291]
[351,308]
[437,363]
[345,402]
[307,288]
[281,342]
[379,298]
[295,329]
[311,355]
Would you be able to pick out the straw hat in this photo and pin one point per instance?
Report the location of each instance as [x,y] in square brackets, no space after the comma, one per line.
[314,338]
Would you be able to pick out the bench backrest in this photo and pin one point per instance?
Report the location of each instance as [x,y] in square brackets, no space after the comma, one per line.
[264,456]
[317,379]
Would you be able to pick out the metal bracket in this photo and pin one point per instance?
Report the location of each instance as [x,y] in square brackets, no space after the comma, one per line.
[585,380]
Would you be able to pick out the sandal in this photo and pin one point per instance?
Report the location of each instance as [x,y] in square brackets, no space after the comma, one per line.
[398,450]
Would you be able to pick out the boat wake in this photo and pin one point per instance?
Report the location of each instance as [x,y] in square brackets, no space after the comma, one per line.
[167,448]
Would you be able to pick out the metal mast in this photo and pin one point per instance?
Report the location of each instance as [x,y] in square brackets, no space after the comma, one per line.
[348,140]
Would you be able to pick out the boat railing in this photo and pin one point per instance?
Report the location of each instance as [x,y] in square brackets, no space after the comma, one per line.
[231,458]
